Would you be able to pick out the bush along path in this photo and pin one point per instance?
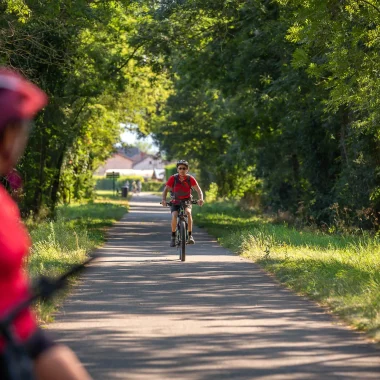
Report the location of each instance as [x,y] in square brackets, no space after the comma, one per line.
[341,272]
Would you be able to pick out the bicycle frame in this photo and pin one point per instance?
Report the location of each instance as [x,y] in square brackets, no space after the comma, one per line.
[182,233]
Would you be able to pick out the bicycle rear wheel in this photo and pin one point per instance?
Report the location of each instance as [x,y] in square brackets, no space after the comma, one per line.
[182,251]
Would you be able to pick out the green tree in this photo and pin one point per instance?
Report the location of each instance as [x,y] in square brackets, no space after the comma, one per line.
[78,52]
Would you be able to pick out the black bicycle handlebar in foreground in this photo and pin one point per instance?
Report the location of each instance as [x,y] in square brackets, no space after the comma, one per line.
[19,364]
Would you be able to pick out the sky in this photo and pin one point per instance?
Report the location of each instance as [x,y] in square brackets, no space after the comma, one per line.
[131,139]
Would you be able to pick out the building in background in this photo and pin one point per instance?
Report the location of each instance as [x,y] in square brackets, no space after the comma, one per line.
[133,152]
[131,161]
[149,162]
[116,162]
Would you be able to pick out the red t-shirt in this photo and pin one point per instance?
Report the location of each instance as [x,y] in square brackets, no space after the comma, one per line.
[182,189]
[14,246]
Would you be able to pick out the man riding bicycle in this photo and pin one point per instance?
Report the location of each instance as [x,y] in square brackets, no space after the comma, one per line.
[180,185]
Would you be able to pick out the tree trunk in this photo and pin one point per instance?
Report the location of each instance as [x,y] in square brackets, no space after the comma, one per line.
[56,181]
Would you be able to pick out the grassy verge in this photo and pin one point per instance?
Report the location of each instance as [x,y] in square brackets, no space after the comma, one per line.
[111,197]
[339,271]
[69,239]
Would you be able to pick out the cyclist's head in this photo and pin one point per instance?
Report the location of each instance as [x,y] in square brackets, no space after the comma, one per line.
[181,164]
[20,100]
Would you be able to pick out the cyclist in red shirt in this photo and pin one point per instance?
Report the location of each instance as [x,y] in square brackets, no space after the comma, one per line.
[20,100]
[180,186]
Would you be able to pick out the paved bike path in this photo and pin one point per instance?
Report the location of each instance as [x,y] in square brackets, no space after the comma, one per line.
[140,313]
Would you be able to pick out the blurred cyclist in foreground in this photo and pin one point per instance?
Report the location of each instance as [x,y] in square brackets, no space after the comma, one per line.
[20,100]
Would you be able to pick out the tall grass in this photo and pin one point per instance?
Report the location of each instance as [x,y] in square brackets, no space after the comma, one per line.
[56,245]
[67,240]
[339,271]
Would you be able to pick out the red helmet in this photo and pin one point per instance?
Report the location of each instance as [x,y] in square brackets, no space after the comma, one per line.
[19,98]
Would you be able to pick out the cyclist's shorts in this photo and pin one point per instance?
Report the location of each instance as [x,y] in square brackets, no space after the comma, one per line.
[38,343]
[176,207]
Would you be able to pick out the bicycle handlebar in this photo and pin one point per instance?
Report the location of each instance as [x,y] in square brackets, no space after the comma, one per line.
[170,203]
[45,289]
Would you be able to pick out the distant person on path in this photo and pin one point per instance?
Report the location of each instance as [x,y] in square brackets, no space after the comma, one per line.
[134,187]
[20,100]
[139,185]
[180,185]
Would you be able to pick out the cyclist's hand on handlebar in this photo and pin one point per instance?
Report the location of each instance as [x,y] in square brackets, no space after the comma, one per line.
[200,202]
[164,203]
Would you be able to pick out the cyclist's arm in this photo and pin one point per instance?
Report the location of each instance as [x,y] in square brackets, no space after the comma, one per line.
[164,194]
[200,194]
[60,363]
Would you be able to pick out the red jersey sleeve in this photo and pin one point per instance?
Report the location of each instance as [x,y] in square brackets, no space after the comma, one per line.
[193,181]
[170,182]
[14,245]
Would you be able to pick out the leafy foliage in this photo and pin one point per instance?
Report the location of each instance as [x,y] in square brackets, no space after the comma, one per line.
[78,52]
[274,100]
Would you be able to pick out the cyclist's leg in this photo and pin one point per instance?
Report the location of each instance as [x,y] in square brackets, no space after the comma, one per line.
[189,219]
[59,363]
[190,225]
[174,210]
[174,221]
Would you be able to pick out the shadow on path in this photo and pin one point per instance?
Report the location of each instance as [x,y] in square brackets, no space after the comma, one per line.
[140,313]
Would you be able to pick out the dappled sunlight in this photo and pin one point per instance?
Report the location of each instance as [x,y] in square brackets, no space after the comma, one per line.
[142,312]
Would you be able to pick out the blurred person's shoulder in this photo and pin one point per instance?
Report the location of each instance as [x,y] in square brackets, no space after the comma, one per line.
[9,208]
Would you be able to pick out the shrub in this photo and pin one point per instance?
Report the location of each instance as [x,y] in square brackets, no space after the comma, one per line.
[153,186]
[212,192]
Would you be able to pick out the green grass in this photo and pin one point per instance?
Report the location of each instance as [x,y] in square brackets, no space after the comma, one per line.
[110,196]
[69,239]
[339,271]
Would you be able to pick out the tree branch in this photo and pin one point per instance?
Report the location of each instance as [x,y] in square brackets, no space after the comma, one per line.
[125,63]
[367,2]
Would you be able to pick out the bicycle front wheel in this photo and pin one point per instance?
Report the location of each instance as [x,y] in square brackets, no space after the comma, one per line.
[183,241]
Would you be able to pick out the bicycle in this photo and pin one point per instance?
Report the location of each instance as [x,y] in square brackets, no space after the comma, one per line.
[19,364]
[181,233]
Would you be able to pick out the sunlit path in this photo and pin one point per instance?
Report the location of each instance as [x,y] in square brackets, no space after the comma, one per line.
[140,313]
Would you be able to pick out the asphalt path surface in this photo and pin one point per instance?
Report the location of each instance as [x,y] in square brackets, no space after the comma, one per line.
[140,313]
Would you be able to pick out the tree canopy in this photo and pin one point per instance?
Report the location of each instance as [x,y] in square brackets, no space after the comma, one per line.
[275,101]
[78,52]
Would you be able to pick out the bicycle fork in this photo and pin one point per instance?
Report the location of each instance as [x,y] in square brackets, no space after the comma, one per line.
[179,230]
